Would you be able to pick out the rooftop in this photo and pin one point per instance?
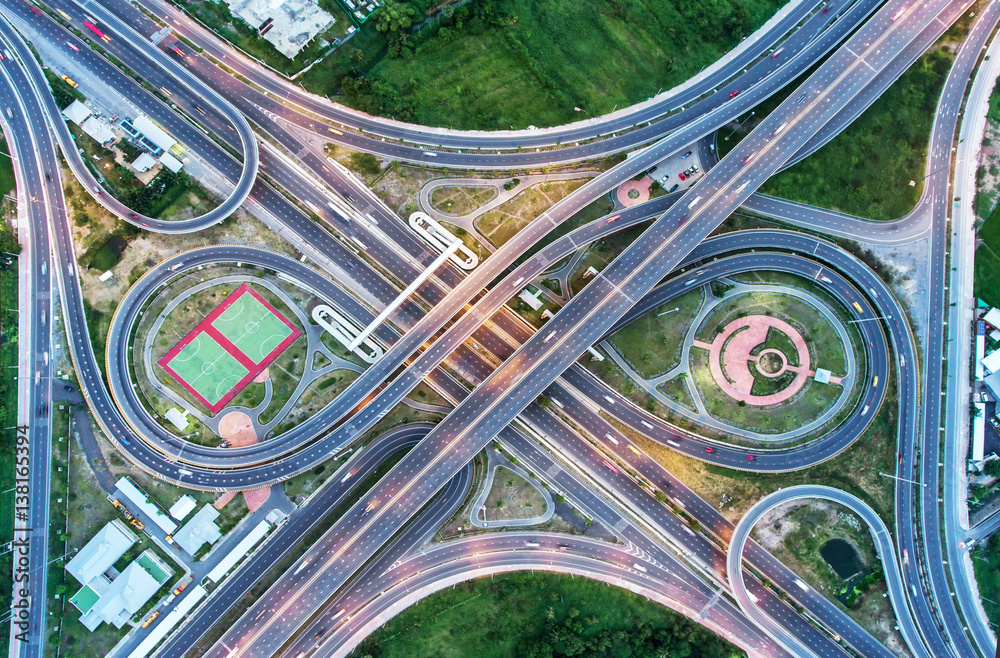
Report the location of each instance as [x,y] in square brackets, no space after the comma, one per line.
[293,23]
[102,551]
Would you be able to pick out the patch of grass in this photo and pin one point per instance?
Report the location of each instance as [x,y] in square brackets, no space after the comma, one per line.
[7,181]
[987,275]
[62,92]
[856,470]
[535,614]
[987,564]
[501,224]
[652,343]
[676,389]
[8,415]
[866,169]
[512,497]
[460,200]
[512,63]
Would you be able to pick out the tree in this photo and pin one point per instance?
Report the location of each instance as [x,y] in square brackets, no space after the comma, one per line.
[992,468]
[544,401]
[394,16]
[661,497]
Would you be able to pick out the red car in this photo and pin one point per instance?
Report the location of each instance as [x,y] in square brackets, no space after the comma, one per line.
[135,215]
[709,449]
[749,458]
[735,91]
[682,176]
[826,7]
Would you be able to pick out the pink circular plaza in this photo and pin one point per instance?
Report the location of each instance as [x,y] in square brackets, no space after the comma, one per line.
[730,356]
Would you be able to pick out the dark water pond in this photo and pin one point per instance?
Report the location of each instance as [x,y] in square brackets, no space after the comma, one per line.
[842,557]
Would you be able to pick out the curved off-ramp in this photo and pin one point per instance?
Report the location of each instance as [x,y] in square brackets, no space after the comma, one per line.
[248,176]
[884,546]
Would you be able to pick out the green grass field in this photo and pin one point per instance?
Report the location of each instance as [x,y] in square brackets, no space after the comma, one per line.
[987,565]
[652,344]
[6,170]
[207,368]
[251,327]
[493,64]
[521,614]
[866,169]
[987,269]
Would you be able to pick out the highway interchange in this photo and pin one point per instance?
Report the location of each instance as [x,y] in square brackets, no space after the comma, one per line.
[849,80]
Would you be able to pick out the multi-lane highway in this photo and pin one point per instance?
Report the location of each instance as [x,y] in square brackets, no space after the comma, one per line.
[538,362]
[840,89]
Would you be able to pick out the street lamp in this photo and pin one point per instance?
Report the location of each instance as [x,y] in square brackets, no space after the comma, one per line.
[739,125]
[913,183]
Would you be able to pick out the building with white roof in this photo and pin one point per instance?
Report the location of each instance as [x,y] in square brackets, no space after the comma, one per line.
[116,601]
[144,163]
[123,598]
[141,500]
[101,552]
[289,25]
[153,133]
[980,347]
[179,420]
[171,163]
[992,318]
[992,361]
[978,433]
[184,506]
[77,112]
[200,530]
[98,129]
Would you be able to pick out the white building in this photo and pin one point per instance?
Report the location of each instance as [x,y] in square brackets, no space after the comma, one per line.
[171,163]
[978,433]
[98,129]
[289,25]
[200,530]
[101,552]
[992,361]
[144,163]
[152,132]
[141,500]
[76,112]
[184,506]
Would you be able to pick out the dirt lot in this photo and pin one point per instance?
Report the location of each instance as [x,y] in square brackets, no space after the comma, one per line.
[461,200]
[501,224]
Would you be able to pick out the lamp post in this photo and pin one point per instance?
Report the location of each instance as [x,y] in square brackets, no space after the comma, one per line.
[739,125]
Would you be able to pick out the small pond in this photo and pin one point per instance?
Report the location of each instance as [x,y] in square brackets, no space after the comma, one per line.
[840,555]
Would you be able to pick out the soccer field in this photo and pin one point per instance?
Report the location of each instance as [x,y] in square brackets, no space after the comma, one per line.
[252,327]
[207,368]
[229,348]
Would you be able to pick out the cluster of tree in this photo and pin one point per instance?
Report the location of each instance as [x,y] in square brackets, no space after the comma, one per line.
[145,199]
[575,637]
[875,576]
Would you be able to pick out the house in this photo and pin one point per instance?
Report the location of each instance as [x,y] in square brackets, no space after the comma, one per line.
[144,163]
[115,601]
